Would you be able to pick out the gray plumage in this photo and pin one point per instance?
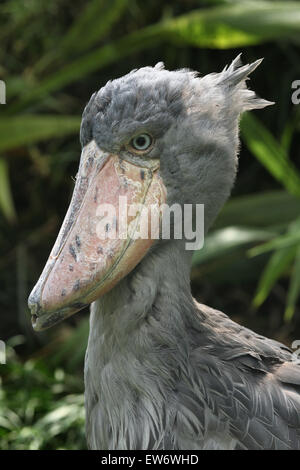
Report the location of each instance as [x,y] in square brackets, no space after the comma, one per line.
[161,371]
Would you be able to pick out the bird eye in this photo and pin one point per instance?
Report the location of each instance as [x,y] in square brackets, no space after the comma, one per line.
[141,142]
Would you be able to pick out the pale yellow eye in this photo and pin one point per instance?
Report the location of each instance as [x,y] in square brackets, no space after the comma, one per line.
[141,142]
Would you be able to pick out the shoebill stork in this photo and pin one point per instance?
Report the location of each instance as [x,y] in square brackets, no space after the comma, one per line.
[161,370]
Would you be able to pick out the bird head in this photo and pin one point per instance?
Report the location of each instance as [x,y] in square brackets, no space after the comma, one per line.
[151,137]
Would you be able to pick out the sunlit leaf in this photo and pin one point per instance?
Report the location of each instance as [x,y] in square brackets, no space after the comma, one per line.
[237,25]
[292,237]
[233,25]
[226,240]
[284,241]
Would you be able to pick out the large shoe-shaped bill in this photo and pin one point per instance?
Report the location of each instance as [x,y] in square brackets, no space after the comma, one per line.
[90,254]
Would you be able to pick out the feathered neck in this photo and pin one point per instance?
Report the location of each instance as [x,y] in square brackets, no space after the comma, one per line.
[138,346]
[156,294]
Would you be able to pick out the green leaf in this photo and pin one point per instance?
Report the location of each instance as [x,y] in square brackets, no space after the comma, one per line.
[284,241]
[270,153]
[238,25]
[270,208]
[90,26]
[294,289]
[292,237]
[28,129]
[233,25]
[6,199]
[287,136]
[225,241]
[93,24]
[276,266]
[286,248]
[92,61]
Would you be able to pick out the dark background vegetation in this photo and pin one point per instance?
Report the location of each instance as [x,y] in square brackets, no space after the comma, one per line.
[53,55]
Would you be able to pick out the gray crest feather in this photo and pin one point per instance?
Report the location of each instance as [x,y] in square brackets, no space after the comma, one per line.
[235,76]
[159,66]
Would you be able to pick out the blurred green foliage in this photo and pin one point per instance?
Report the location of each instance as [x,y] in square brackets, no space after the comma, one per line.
[53,55]
[41,407]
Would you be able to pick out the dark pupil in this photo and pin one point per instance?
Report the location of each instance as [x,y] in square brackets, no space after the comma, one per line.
[140,141]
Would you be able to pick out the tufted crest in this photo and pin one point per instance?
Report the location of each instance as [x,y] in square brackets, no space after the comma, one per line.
[234,77]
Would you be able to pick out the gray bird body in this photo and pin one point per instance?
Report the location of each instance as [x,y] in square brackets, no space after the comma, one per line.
[161,371]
